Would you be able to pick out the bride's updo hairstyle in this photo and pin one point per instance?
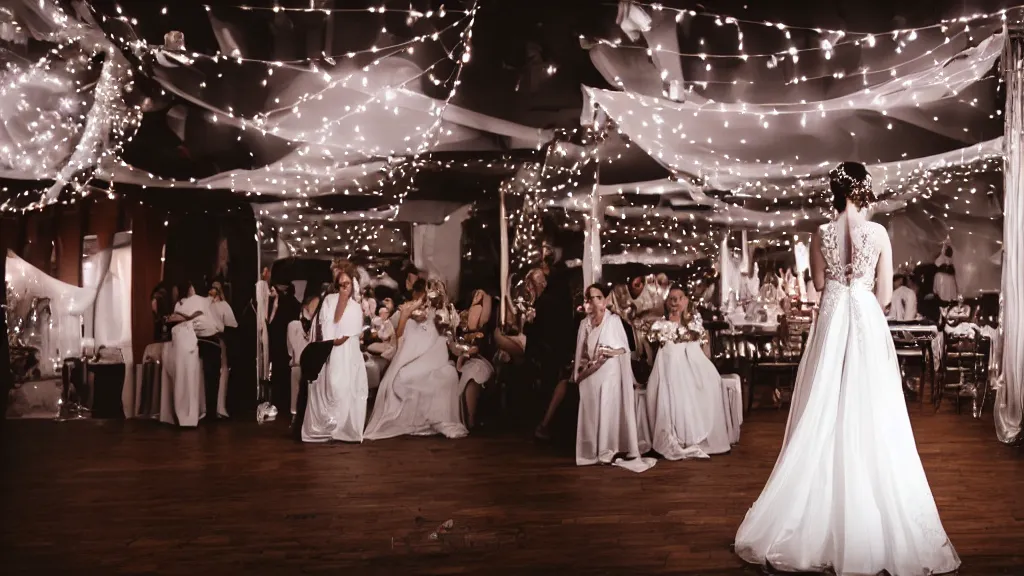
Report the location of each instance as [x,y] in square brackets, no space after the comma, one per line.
[850,182]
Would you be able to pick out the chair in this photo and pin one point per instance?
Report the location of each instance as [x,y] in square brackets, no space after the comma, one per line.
[782,357]
[965,358]
[915,351]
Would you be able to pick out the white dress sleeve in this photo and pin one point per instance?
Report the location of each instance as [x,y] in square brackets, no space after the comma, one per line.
[351,321]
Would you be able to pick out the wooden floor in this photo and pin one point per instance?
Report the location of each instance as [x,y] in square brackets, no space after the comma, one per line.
[237,498]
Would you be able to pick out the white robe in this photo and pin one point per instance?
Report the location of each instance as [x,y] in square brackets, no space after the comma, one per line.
[607,416]
[419,394]
[686,402]
[337,398]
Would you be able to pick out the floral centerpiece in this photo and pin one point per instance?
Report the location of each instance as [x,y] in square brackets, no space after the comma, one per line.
[664,332]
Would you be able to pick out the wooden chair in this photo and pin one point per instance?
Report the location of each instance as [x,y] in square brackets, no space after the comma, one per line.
[917,352]
[782,359]
[965,359]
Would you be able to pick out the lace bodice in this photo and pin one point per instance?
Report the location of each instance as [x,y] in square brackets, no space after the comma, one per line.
[863,260]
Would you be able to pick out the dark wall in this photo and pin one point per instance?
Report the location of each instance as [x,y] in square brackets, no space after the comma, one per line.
[194,230]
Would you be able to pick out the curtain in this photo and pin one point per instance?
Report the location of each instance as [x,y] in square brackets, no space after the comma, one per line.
[1010,396]
[437,249]
[148,237]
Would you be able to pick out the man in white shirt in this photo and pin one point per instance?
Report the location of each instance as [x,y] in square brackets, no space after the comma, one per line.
[904,301]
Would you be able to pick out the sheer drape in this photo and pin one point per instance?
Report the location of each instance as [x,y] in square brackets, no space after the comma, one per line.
[1010,396]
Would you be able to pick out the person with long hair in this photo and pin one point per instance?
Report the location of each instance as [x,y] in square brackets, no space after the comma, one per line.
[848,493]
[419,394]
[685,396]
[606,431]
[336,405]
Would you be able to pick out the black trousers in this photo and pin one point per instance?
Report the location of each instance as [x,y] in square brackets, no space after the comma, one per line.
[209,355]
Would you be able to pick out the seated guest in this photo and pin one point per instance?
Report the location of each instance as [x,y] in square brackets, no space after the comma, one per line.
[298,337]
[336,409]
[369,303]
[383,332]
[685,396]
[904,301]
[419,394]
[473,351]
[606,428]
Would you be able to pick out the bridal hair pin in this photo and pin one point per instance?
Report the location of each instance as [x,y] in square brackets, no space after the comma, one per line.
[857,190]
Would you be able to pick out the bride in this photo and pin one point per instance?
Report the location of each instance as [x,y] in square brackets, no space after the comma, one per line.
[848,492]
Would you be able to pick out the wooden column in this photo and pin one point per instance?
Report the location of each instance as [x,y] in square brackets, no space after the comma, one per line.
[148,237]
[69,244]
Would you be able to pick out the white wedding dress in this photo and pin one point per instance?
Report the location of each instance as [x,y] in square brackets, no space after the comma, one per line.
[336,408]
[419,395]
[686,402]
[848,491]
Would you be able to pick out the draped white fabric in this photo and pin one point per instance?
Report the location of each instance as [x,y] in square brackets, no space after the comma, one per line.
[437,248]
[336,148]
[112,315]
[607,423]
[419,394]
[689,137]
[1009,409]
[337,398]
[67,306]
[917,238]
[34,147]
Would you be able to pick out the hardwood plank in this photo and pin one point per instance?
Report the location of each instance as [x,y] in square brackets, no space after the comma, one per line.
[117,497]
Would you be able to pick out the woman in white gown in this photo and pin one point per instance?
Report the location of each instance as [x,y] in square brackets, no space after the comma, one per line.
[685,396]
[606,429]
[336,409]
[419,394]
[848,492]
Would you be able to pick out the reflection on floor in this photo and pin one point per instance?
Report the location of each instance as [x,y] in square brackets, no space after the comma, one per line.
[137,497]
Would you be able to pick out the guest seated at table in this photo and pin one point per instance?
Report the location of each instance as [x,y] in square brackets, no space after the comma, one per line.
[382,333]
[904,301]
[606,428]
[419,394]
[686,405]
[336,408]
[472,348]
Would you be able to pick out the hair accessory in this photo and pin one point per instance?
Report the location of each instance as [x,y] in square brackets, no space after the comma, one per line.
[858,191]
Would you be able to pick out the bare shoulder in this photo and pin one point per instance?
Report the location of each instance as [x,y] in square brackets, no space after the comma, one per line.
[879,232]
